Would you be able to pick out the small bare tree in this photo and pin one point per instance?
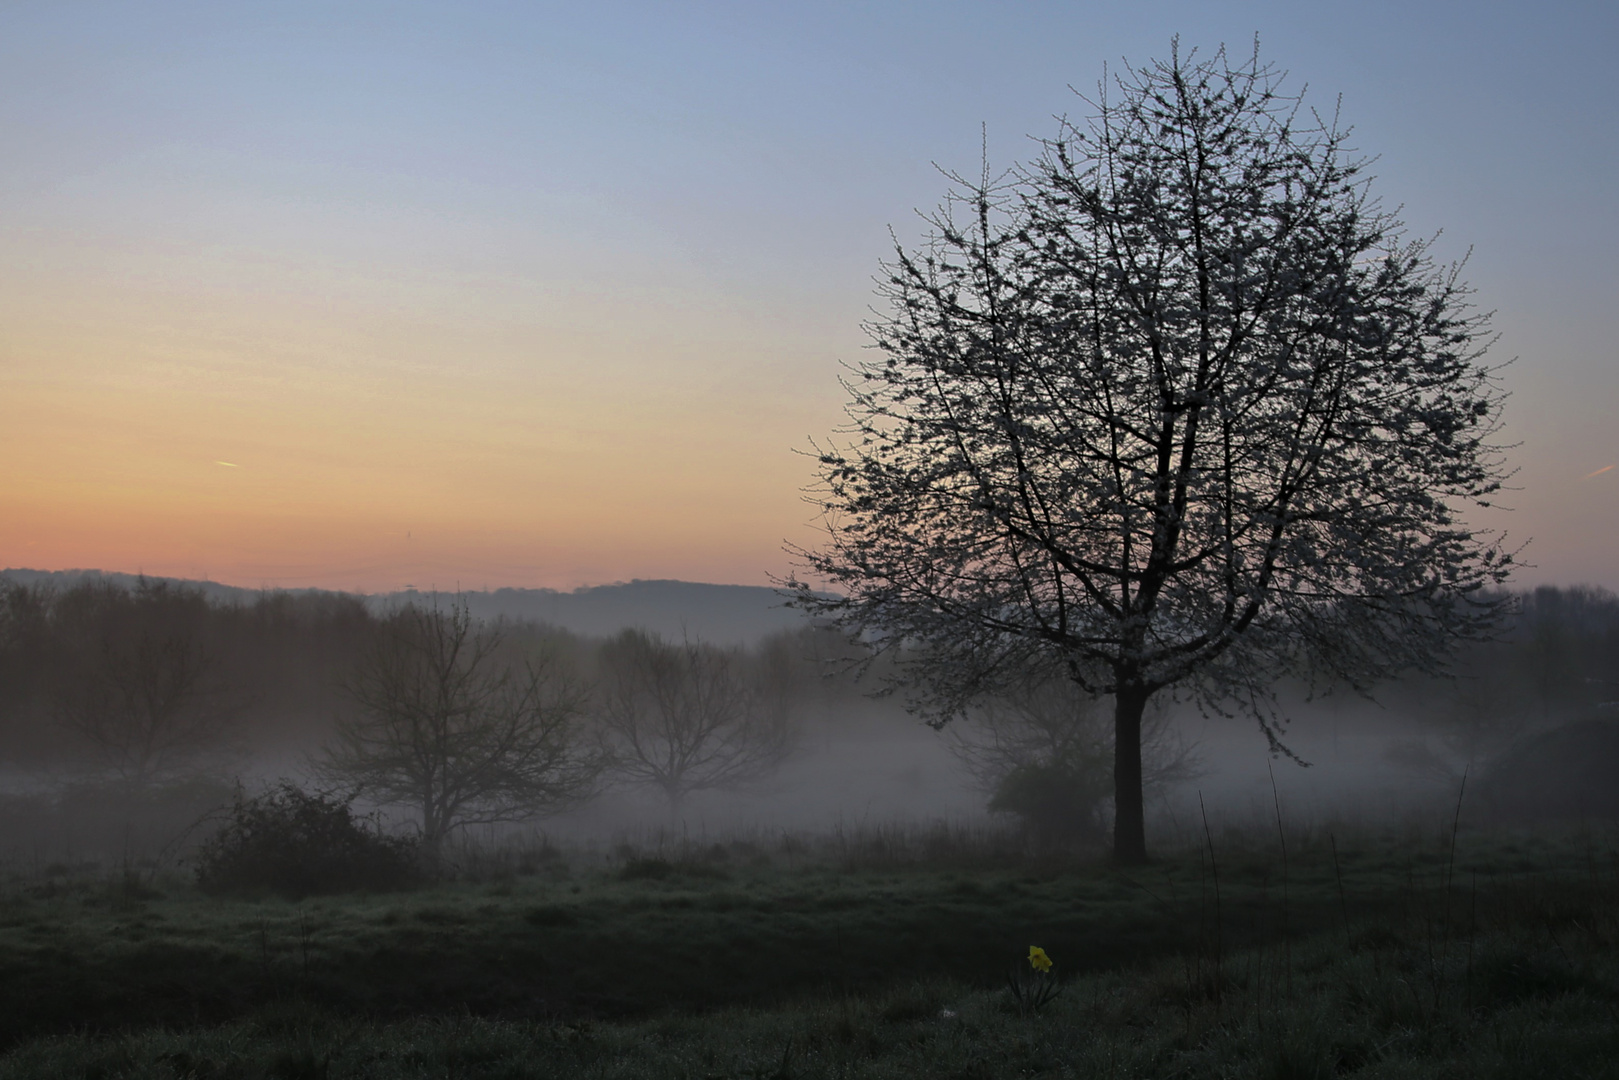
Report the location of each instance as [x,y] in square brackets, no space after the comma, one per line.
[450,723]
[689,717]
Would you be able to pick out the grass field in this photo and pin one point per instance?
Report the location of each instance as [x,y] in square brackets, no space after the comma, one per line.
[880,955]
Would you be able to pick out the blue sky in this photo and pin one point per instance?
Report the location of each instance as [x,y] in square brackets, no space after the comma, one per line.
[475,289]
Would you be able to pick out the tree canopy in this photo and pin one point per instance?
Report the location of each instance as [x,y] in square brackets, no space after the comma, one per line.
[1177,404]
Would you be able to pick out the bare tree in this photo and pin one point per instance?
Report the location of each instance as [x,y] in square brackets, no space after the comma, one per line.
[452,725]
[689,717]
[141,688]
[1177,406]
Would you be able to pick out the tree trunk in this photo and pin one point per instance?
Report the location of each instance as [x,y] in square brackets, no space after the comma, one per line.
[1129,816]
[432,836]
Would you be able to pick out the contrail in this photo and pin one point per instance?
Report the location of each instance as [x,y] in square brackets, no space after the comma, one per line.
[1599,472]
[233,465]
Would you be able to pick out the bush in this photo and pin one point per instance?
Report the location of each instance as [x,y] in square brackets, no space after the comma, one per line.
[297,844]
[1057,802]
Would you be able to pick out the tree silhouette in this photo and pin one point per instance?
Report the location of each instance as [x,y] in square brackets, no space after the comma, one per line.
[451,724]
[141,686]
[1176,406]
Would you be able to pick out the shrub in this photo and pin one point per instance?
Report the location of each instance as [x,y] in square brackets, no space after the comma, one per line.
[1057,802]
[294,843]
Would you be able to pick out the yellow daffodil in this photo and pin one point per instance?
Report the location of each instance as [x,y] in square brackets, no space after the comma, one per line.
[1038,958]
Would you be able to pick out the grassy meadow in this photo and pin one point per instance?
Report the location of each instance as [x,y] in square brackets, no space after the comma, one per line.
[874,955]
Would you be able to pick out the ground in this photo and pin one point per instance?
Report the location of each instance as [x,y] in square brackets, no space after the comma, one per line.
[1359,955]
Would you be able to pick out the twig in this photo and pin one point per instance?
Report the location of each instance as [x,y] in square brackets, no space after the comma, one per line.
[1472,932]
[1343,904]
[1287,941]
[1450,877]
[1214,871]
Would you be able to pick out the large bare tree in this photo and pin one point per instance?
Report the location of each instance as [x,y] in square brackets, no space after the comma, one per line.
[1177,405]
[449,722]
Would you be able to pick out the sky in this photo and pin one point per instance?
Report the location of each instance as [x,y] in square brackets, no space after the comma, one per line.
[363,296]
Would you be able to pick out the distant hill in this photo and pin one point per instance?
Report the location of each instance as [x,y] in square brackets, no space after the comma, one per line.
[730,614]
[725,614]
[66,579]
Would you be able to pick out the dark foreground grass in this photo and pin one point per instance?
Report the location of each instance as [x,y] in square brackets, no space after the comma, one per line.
[1392,960]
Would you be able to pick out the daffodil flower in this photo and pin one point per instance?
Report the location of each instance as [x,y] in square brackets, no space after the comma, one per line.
[1038,958]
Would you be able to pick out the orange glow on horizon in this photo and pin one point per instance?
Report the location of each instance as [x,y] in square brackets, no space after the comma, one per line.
[535,459]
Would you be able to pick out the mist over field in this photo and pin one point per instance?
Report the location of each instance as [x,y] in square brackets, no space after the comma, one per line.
[175,804]
[280,669]
[198,795]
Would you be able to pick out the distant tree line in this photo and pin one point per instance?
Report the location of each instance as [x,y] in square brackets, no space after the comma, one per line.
[1555,662]
[457,720]
[150,681]
[461,721]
